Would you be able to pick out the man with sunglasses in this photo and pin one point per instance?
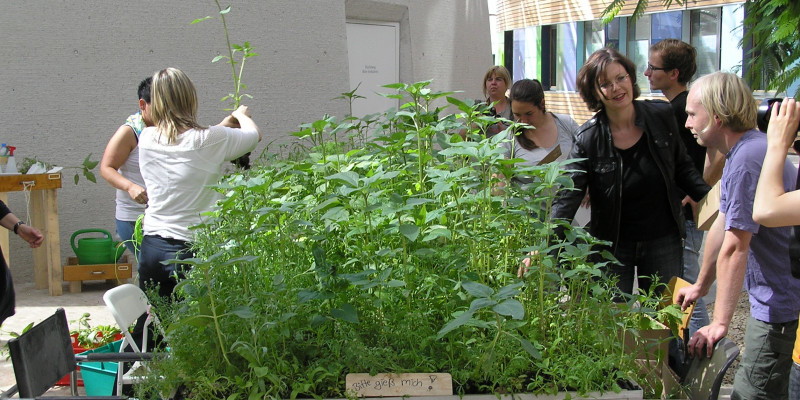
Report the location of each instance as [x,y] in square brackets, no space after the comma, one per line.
[670,67]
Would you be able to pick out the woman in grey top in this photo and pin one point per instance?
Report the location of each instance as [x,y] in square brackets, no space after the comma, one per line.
[495,85]
[551,136]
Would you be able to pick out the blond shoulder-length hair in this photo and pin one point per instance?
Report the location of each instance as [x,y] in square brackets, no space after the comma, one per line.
[727,96]
[174,103]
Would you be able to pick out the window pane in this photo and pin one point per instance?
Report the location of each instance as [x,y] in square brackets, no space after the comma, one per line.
[641,29]
[730,52]
[705,39]
[526,45]
[612,30]
[566,72]
[666,25]
[638,51]
[638,46]
[594,36]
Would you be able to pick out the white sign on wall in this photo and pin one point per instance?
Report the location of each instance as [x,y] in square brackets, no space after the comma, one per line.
[373,50]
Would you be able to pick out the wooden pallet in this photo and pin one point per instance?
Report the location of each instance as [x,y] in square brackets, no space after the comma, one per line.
[75,273]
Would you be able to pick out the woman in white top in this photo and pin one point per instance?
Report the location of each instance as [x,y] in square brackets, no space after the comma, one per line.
[551,136]
[179,159]
[120,167]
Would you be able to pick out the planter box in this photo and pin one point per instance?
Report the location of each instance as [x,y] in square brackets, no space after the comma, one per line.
[652,357]
[624,395]
[439,386]
[99,377]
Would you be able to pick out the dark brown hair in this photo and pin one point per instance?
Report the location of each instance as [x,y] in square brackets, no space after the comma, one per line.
[588,75]
[528,91]
[679,55]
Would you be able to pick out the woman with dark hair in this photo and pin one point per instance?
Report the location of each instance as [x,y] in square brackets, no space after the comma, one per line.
[550,136]
[120,168]
[633,164]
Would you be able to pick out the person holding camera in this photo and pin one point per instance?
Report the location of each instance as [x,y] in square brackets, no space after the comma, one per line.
[722,114]
[774,205]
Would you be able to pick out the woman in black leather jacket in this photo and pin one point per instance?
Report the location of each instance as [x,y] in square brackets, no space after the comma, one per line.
[635,168]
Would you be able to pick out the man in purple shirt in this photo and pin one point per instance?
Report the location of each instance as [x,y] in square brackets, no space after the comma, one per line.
[722,115]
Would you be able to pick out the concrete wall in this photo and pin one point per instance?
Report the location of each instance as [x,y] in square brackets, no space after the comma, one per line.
[70,69]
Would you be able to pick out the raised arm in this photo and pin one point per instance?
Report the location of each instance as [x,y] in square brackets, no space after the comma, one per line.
[772,206]
[731,267]
[240,118]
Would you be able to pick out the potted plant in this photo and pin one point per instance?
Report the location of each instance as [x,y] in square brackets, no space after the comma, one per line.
[395,254]
[85,337]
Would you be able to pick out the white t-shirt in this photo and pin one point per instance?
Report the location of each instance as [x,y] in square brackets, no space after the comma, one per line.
[177,175]
[127,208]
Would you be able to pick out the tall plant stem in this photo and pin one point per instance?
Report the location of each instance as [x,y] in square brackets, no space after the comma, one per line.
[215,317]
[230,59]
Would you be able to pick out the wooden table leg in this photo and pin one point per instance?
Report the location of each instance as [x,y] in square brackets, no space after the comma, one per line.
[52,242]
[39,254]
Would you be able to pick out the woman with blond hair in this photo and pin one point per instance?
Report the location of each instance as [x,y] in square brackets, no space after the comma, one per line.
[496,82]
[179,159]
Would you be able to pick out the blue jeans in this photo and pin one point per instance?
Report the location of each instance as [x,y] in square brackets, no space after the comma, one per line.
[691,269]
[152,272]
[125,231]
[662,257]
[766,362]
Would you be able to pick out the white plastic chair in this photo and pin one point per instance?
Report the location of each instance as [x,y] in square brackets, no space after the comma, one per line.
[127,303]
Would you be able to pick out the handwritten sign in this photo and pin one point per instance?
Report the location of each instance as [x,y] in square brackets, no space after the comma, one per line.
[416,384]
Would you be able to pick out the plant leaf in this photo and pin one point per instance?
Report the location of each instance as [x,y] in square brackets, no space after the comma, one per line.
[346,313]
[410,231]
[477,289]
[455,323]
[530,348]
[510,308]
[243,312]
[200,20]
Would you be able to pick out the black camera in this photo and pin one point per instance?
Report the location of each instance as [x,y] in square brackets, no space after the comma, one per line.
[764,112]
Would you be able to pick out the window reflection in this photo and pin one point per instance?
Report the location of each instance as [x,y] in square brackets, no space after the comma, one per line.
[705,39]
[566,70]
[526,51]
[666,25]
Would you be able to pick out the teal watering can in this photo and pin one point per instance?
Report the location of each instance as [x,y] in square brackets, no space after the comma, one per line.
[94,250]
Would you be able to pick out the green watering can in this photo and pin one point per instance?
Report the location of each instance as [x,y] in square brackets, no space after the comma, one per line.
[94,250]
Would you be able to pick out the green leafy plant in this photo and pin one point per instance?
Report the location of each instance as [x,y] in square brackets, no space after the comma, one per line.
[90,337]
[245,51]
[84,169]
[394,256]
